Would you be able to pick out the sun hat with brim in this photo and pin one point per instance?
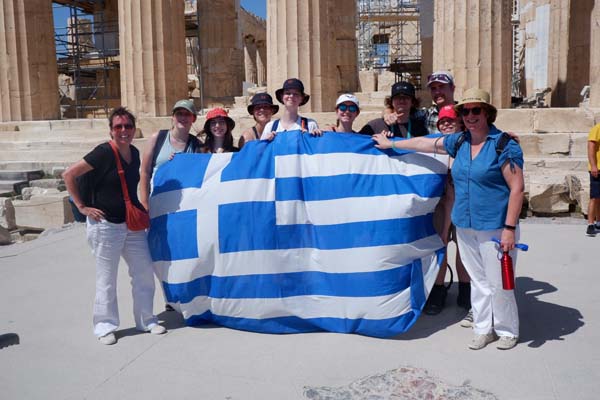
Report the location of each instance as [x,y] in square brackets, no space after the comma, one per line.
[347,97]
[186,105]
[475,95]
[292,83]
[262,99]
[216,113]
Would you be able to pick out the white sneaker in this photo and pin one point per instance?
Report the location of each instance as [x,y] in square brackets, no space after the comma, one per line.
[158,330]
[108,339]
[507,342]
[467,321]
[480,341]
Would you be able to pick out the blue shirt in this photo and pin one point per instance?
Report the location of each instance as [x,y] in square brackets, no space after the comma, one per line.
[481,193]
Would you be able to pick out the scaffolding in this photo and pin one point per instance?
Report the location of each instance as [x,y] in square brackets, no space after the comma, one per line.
[87,53]
[389,38]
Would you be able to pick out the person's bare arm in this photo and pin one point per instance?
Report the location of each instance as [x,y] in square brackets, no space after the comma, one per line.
[70,177]
[592,149]
[420,144]
[513,175]
[146,170]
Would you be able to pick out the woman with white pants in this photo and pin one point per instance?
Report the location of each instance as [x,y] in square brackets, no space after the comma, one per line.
[488,181]
[107,232]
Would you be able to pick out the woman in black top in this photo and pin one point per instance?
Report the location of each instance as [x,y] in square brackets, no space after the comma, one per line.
[262,110]
[107,232]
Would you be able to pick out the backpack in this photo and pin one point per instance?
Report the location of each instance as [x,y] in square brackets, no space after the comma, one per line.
[192,143]
[303,124]
[500,144]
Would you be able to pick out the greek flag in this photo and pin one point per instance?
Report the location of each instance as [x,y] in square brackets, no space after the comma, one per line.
[301,234]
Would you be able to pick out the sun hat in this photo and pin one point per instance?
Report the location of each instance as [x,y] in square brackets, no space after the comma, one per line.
[186,104]
[475,95]
[292,83]
[347,97]
[405,88]
[440,76]
[260,99]
[216,113]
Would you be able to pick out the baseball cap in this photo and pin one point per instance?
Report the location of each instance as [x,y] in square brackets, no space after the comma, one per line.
[347,97]
[186,104]
[405,88]
[440,76]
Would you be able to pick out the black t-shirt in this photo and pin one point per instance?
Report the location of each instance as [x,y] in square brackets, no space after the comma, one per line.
[108,195]
[418,127]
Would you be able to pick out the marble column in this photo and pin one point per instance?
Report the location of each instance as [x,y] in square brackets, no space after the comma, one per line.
[302,36]
[250,60]
[474,41]
[28,73]
[595,56]
[152,55]
[221,49]
[261,62]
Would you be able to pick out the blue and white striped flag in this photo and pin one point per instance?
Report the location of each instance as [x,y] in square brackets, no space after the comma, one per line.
[302,234]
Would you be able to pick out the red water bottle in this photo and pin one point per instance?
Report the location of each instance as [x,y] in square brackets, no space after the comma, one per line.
[508,275]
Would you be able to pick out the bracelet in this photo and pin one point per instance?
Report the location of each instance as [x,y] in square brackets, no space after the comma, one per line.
[510,227]
[393,145]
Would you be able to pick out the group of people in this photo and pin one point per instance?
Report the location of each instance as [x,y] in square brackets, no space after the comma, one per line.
[482,200]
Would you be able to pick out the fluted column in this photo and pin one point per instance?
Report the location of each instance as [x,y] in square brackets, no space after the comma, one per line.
[261,62]
[152,55]
[250,60]
[301,43]
[221,48]
[28,74]
[595,56]
[473,40]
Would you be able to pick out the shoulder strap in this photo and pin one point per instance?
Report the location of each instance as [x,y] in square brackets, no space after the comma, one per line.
[192,143]
[304,124]
[120,172]
[459,142]
[256,135]
[502,142]
[160,140]
[275,125]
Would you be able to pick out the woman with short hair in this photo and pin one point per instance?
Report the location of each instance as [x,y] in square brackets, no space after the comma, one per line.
[488,180]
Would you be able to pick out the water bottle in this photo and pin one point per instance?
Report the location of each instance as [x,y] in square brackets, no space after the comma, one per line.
[508,275]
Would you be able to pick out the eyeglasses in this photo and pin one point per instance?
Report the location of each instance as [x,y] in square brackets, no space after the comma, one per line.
[439,78]
[119,127]
[466,111]
[345,107]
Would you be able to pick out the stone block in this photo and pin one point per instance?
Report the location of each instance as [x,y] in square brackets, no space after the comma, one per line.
[368,81]
[385,81]
[515,120]
[545,145]
[76,124]
[5,237]
[7,213]
[28,192]
[47,183]
[549,195]
[562,120]
[148,126]
[579,144]
[43,212]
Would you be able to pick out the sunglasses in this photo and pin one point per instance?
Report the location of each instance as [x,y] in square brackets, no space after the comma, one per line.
[118,127]
[345,107]
[466,111]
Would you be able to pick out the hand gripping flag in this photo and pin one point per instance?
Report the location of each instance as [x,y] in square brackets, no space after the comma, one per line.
[301,234]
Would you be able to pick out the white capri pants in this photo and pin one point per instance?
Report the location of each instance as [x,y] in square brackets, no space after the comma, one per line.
[109,242]
[493,307]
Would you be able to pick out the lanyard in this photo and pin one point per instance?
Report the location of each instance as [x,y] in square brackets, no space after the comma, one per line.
[396,129]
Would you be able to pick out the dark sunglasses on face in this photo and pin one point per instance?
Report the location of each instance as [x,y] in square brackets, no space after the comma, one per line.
[118,127]
[345,107]
[466,111]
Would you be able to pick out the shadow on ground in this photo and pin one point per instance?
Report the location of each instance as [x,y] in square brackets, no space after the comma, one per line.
[542,321]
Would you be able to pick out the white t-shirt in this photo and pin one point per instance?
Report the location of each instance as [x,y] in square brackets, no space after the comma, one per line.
[312,125]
